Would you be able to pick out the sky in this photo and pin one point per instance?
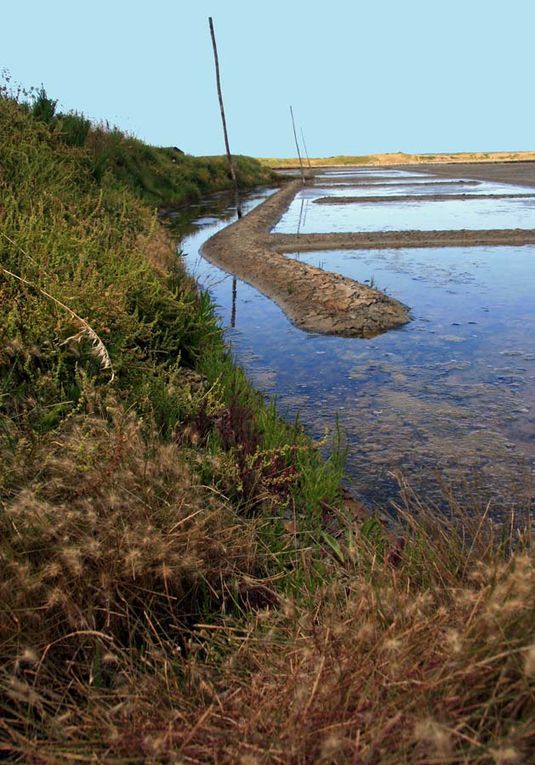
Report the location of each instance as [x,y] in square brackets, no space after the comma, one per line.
[363,76]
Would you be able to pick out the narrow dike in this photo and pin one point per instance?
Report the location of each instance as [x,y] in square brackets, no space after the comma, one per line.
[313,299]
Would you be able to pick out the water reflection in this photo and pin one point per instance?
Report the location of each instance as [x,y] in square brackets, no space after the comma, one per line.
[443,215]
[453,392]
[402,189]
[234,296]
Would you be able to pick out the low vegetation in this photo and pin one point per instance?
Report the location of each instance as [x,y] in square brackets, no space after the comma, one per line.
[182,579]
[401,158]
[159,175]
[166,176]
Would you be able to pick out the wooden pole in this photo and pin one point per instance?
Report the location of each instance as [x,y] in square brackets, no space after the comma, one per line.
[297,147]
[306,150]
[223,120]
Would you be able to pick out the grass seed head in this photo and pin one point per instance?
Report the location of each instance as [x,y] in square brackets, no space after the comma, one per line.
[506,755]
[433,734]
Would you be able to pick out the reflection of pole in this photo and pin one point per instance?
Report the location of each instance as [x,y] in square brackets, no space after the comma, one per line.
[234,293]
[300,216]
[223,120]
[297,147]
[305,146]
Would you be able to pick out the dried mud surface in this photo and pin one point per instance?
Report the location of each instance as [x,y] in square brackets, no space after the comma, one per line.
[314,299]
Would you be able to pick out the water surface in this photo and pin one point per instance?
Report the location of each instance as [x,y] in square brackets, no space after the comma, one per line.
[447,399]
[414,187]
[443,215]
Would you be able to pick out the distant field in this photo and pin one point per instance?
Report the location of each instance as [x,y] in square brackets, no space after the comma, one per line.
[399,158]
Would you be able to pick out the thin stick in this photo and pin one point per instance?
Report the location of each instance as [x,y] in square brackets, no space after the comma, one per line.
[306,150]
[297,146]
[223,120]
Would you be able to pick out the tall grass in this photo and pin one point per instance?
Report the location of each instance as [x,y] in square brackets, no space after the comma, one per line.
[133,504]
[165,176]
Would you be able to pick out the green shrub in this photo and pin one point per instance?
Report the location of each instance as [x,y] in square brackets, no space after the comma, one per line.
[43,108]
[74,128]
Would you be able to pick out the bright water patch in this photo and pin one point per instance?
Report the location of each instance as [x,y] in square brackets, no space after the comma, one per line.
[358,173]
[414,187]
[441,215]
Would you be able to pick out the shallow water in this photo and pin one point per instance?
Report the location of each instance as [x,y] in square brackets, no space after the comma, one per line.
[421,188]
[454,389]
[449,398]
[365,173]
[443,215]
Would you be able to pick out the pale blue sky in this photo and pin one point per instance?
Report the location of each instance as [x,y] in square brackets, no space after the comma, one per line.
[370,76]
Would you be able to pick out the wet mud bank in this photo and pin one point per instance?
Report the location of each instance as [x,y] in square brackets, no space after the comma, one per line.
[414,198]
[392,240]
[313,299]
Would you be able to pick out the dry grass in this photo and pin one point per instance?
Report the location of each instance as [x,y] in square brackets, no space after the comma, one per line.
[109,523]
[383,651]
[110,549]
[378,673]
[159,249]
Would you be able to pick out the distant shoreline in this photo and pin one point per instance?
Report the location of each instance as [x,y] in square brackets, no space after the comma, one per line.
[398,158]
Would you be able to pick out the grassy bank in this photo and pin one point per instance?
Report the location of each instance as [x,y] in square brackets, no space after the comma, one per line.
[181,579]
[161,176]
[401,158]
[165,176]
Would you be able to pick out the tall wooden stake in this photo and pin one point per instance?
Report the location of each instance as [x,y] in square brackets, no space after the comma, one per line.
[297,147]
[223,120]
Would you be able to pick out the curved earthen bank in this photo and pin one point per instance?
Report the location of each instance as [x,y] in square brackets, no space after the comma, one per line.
[314,299]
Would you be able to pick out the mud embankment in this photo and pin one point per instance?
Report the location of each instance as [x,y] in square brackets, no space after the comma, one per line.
[391,240]
[414,198]
[314,299]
